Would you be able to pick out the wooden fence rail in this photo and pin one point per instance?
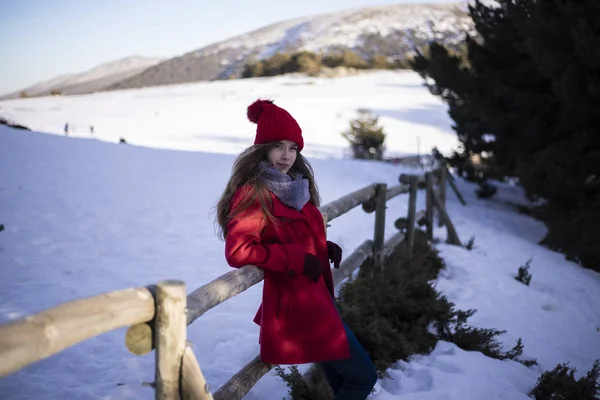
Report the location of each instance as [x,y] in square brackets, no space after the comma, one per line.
[348,202]
[38,336]
[157,316]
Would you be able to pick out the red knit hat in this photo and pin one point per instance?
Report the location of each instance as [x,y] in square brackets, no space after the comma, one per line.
[274,123]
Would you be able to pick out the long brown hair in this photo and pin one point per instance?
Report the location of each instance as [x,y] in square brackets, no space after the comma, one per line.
[246,171]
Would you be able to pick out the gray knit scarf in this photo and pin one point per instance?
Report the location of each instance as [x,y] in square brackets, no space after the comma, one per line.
[291,191]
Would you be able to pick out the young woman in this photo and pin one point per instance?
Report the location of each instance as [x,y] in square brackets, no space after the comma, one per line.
[269,217]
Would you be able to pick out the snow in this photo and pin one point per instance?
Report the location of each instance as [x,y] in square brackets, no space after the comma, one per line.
[124,65]
[344,28]
[451,373]
[205,116]
[115,67]
[84,215]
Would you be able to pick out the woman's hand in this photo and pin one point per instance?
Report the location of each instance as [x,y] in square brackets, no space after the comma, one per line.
[335,254]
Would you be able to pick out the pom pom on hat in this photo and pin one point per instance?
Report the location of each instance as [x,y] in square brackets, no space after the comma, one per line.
[273,123]
[256,108]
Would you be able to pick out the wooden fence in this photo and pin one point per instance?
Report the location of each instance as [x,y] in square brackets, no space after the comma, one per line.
[157,315]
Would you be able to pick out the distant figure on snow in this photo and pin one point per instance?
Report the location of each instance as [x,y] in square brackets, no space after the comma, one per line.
[92,129]
[67,129]
[269,217]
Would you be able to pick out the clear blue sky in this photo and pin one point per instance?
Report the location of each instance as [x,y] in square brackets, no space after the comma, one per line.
[42,39]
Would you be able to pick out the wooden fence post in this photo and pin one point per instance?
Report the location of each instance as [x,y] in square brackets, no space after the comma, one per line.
[429,205]
[412,210]
[453,186]
[170,331]
[241,383]
[442,183]
[452,235]
[193,383]
[379,234]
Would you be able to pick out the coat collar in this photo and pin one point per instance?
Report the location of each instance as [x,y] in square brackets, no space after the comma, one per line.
[283,211]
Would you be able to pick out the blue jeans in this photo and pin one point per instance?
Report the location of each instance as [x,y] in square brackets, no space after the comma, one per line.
[354,377]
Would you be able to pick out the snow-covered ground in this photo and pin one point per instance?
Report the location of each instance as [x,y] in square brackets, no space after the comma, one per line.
[210,116]
[85,215]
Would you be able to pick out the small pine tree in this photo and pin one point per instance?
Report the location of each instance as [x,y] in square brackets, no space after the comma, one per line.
[315,388]
[560,383]
[365,136]
[454,328]
[523,275]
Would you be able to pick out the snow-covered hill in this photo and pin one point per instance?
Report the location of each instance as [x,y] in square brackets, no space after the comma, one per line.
[392,30]
[89,81]
[345,28]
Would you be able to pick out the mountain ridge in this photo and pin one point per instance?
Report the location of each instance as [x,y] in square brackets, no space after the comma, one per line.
[395,27]
[390,30]
[93,79]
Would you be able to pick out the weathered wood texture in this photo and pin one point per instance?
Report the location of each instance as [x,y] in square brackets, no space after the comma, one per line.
[391,244]
[412,204]
[452,235]
[379,230]
[223,288]
[429,206]
[442,191]
[455,189]
[406,179]
[139,340]
[170,338]
[41,335]
[348,202]
[369,206]
[396,190]
[241,383]
[193,383]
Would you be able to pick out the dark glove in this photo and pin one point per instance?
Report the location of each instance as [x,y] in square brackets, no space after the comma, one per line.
[335,254]
[312,267]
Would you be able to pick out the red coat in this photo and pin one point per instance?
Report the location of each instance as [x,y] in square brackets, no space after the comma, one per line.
[298,320]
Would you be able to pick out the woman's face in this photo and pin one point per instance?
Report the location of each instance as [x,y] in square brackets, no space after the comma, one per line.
[283,155]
